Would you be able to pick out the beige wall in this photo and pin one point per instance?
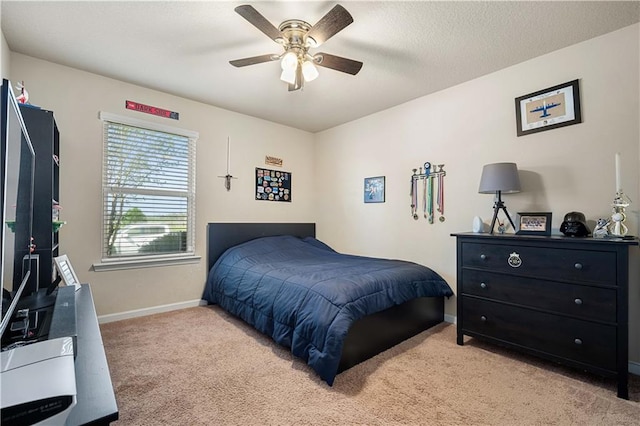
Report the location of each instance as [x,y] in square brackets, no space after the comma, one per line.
[5,54]
[467,126]
[76,98]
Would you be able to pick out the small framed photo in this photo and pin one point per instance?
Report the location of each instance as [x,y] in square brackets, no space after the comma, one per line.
[63,265]
[374,189]
[547,109]
[538,223]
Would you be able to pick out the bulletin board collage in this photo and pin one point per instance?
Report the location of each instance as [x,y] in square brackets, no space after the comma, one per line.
[273,185]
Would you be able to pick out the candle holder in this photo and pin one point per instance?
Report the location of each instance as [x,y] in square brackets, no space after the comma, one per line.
[617,228]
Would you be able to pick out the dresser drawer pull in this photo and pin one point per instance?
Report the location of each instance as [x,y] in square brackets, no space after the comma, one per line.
[578,265]
[483,285]
[483,318]
[578,301]
[514,260]
[483,256]
[578,341]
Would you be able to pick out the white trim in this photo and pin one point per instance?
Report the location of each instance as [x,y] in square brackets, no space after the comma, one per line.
[135,122]
[451,319]
[102,319]
[147,262]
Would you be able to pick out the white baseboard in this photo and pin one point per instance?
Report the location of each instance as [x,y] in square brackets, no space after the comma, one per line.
[451,319]
[149,311]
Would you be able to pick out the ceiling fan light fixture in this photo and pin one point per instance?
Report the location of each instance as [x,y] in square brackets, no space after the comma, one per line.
[288,76]
[309,71]
[289,61]
[296,38]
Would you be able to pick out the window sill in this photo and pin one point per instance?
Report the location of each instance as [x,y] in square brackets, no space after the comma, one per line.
[135,263]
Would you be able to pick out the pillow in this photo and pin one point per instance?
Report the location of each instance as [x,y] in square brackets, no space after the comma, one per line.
[317,243]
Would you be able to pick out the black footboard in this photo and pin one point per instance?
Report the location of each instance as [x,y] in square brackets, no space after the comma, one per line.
[376,333]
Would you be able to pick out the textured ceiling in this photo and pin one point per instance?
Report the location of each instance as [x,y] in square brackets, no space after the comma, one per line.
[409,49]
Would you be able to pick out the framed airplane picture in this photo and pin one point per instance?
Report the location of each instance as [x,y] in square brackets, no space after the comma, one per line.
[547,109]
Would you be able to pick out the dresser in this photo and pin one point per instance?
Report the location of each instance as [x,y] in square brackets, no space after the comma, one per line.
[560,298]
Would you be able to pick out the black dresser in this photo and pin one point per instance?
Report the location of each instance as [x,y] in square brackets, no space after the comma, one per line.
[561,298]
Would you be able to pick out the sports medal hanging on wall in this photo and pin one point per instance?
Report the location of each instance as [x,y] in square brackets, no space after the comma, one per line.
[273,185]
[432,180]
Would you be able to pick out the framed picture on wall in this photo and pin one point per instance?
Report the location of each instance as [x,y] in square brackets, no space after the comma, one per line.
[547,109]
[273,185]
[374,189]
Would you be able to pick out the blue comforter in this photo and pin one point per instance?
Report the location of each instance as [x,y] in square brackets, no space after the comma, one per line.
[305,295]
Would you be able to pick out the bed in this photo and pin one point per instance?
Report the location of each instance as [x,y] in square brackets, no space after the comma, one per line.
[332,310]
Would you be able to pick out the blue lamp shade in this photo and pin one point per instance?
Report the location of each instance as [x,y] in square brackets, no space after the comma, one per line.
[501,177]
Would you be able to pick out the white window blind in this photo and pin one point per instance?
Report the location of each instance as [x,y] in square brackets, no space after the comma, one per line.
[148,189]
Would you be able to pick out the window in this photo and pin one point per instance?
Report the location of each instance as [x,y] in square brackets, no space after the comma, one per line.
[148,187]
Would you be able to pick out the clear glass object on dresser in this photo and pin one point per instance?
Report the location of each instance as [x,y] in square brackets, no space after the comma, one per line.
[560,298]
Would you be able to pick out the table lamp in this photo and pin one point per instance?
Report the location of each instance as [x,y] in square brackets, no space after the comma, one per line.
[498,178]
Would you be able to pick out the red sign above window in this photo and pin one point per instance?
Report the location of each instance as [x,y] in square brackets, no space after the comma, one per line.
[152,110]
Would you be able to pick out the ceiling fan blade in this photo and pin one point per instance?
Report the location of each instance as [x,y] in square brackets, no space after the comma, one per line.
[253,60]
[329,25]
[337,63]
[260,22]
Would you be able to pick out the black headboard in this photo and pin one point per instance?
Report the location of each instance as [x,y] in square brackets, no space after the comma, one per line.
[221,236]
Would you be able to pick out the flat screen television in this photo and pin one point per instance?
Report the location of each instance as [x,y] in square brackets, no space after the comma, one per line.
[18,166]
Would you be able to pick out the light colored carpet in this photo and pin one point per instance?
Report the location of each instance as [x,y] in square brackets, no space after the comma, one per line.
[201,366]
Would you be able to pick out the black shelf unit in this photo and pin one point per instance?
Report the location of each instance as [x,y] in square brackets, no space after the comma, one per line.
[45,139]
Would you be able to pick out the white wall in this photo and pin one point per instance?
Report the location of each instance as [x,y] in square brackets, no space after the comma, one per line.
[467,126]
[4,52]
[76,97]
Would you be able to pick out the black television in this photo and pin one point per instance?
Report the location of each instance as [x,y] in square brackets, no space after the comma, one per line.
[18,166]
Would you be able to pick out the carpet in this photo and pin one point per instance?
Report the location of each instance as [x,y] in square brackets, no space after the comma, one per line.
[202,366]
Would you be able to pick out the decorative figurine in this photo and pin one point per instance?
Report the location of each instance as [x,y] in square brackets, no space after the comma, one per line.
[478,225]
[574,225]
[602,228]
[617,228]
[23,97]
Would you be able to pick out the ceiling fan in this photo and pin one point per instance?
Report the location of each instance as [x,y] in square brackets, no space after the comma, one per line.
[297,37]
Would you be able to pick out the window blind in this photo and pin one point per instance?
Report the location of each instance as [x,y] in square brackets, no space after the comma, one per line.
[148,190]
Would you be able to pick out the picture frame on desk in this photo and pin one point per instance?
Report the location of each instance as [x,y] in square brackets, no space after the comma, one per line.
[535,223]
[68,275]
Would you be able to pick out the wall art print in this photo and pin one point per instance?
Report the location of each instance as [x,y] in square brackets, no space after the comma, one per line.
[273,185]
[374,189]
[547,109]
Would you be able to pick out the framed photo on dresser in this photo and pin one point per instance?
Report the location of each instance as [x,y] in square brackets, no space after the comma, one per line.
[538,223]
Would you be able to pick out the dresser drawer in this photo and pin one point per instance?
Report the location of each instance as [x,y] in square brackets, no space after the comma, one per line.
[593,303]
[568,338]
[543,262]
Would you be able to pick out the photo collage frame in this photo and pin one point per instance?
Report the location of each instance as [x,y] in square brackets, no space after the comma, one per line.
[273,185]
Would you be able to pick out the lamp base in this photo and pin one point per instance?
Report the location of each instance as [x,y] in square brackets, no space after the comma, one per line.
[496,207]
